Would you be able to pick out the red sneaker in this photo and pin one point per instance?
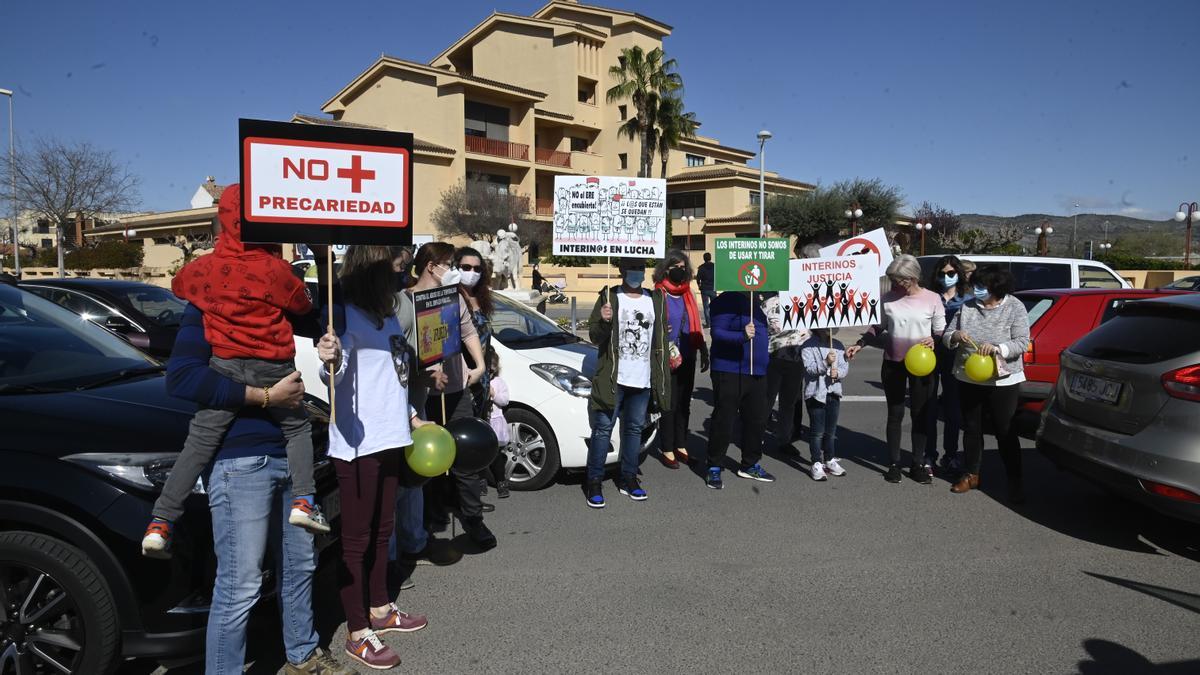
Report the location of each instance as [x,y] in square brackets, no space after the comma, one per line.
[399,622]
[372,653]
[156,543]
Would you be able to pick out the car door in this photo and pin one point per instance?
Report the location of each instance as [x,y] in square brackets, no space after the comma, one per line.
[1037,274]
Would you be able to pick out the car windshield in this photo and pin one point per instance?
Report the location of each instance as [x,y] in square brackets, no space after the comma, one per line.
[1143,332]
[157,304]
[519,327]
[44,347]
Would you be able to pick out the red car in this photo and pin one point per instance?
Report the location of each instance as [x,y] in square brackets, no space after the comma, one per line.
[1057,318]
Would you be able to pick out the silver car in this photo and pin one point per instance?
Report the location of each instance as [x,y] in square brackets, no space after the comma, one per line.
[1125,412]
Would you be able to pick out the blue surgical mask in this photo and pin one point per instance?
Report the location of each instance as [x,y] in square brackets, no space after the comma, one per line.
[634,278]
[982,295]
[949,280]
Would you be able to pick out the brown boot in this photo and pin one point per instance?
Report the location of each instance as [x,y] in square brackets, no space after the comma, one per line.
[969,481]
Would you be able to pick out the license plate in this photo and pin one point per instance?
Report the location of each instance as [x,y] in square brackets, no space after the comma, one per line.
[1094,388]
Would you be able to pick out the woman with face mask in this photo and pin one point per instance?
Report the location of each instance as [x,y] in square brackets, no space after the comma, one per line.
[948,279]
[685,337]
[993,323]
[911,315]
[629,326]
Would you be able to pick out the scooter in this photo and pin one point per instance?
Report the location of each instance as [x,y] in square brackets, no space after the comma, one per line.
[554,292]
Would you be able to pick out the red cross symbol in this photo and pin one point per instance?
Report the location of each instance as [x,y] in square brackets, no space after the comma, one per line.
[356,173]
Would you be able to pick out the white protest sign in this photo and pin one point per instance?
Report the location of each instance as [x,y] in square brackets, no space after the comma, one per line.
[831,292]
[874,242]
[610,216]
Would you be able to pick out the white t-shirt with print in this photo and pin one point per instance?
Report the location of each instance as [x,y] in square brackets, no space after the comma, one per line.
[635,326]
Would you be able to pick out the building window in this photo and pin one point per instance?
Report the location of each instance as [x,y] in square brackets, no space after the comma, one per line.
[754,198]
[488,181]
[43,226]
[487,121]
[624,160]
[695,160]
[587,92]
[684,204]
[47,243]
[624,112]
[579,144]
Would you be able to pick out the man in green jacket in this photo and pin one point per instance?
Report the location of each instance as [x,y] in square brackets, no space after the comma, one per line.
[628,325]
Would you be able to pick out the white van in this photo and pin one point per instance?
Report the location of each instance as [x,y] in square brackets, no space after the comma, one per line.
[1035,272]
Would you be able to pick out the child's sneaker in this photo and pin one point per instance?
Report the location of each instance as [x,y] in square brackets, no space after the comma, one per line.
[156,543]
[308,515]
[818,471]
[834,468]
[372,653]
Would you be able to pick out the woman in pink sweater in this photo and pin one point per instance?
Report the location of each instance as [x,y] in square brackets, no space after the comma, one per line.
[911,315]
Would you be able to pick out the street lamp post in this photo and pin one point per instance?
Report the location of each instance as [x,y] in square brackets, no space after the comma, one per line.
[1043,231]
[688,220]
[923,228]
[762,180]
[12,197]
[1192,215]
[1075,229]
[853,214]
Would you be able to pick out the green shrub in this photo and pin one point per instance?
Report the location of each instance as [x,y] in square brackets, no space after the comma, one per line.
[104,255]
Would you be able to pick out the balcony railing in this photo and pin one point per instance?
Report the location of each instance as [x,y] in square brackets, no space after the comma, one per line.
[543,206]
[552,157]
[488,146]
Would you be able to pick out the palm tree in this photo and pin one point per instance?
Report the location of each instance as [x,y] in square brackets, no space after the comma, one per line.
[639,77]
[672,125]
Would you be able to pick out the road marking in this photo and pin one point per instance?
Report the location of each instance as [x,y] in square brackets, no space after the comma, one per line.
[863,399]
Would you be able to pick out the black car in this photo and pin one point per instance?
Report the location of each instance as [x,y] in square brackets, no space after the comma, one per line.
[89,437]
[147,315]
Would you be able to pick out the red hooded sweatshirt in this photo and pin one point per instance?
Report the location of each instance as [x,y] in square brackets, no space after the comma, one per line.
[243,291]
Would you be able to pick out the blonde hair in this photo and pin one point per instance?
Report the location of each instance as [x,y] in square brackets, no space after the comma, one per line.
[904,266]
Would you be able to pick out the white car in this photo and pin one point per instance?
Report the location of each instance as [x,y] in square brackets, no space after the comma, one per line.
[548,371]
[1037,272]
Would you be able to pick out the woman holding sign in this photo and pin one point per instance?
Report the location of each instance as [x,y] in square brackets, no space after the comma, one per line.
[991,333]
[911,316]
[629,326]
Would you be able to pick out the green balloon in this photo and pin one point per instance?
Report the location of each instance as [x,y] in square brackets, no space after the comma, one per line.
[432,451]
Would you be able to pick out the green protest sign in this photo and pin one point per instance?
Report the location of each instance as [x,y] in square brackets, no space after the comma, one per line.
[751,264]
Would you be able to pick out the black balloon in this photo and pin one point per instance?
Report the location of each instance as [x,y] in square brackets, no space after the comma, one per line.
[475,443]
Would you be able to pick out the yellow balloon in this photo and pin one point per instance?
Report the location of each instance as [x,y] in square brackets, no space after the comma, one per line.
[920,360]
[432,451]
[980,368]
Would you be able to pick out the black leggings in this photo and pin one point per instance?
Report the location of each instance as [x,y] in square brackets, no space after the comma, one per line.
[673,426]
[1000,404]
[897,382]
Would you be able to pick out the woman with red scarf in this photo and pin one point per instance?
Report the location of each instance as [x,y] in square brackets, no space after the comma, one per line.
[674,277]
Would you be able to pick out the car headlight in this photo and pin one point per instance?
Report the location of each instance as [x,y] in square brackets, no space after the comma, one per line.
[564,377]
[145,470]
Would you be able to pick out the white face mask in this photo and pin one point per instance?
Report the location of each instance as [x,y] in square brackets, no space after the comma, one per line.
[451,277]
[469,279]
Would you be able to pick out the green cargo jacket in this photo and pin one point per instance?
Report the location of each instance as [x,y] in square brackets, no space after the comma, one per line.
[604,335]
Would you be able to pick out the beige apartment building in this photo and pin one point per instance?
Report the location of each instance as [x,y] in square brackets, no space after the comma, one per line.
[519,100]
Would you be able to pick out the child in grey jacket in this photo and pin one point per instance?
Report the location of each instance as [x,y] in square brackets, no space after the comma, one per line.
[825,366]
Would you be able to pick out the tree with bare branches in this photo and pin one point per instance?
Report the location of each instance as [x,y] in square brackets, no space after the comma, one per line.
[61,181]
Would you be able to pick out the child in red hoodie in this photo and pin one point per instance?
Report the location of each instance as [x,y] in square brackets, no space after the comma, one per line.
[243,291]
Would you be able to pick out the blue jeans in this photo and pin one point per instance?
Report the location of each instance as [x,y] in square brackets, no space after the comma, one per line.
[410,535]
[822,427]
[250,499]
[631,410]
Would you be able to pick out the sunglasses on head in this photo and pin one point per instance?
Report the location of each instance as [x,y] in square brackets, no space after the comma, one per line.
[465,267]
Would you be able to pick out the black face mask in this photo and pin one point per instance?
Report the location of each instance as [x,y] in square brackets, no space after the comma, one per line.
[404,277]
[677,275]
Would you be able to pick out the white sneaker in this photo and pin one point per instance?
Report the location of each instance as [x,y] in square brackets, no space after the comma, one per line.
[818,471]
[834,468]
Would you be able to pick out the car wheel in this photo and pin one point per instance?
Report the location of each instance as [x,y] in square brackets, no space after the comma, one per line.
[531,458]
[56,612]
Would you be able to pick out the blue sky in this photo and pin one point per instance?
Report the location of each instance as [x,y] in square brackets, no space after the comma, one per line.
[990,107]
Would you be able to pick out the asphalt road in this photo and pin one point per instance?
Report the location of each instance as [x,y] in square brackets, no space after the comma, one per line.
[854,575]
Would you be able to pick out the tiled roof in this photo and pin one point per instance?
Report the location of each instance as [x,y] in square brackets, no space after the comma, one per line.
[555,115]
[418,144]
[470,78]
[725,220]
[213,189]
[730,172]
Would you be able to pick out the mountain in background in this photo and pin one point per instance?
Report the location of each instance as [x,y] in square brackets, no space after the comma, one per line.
[1137,236]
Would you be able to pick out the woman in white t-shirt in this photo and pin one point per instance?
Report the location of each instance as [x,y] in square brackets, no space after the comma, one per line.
[371,363]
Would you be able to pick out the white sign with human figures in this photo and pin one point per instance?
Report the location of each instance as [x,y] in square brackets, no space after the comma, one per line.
[610,216]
